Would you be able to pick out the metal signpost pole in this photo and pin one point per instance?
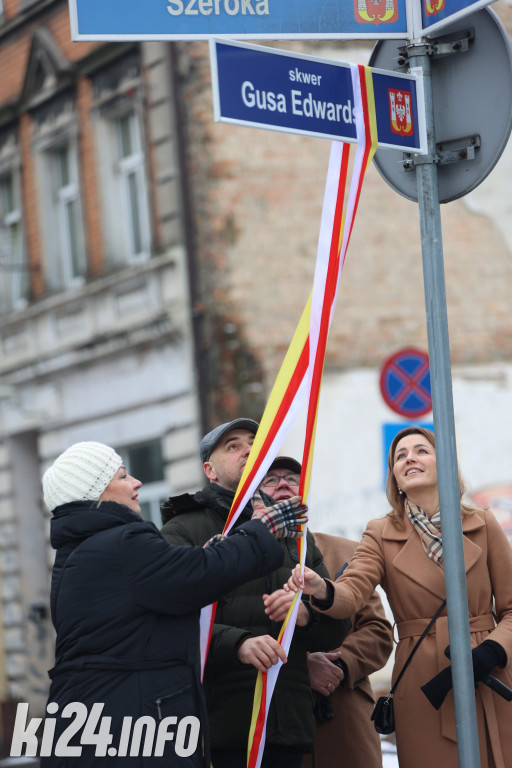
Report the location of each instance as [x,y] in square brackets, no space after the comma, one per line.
[444,425]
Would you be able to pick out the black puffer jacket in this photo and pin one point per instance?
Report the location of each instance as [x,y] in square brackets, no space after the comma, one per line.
[229,684]
[125,606]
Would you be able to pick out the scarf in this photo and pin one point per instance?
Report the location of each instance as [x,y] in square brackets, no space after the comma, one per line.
[429,531]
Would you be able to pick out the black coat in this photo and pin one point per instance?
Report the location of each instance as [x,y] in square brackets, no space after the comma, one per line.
[125,606]
[229,684]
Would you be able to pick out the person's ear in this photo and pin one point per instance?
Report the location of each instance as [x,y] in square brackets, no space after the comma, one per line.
[209,471]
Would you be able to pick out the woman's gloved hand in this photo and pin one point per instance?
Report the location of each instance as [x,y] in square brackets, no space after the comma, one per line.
[282,519]
[486,656]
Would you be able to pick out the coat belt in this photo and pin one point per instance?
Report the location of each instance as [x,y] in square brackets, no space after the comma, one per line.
[415,627]
[482,623]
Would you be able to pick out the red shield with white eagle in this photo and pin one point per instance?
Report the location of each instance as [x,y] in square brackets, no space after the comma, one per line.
[400,111]
[376,11]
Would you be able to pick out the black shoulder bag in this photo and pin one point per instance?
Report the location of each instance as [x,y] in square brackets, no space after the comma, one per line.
[383,714]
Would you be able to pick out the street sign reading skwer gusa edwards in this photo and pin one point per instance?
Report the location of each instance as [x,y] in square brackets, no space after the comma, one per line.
[293,93]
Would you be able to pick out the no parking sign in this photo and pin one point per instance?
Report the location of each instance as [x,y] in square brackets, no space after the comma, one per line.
[405,383]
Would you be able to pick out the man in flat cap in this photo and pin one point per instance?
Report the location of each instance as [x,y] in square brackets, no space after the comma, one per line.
[244,639]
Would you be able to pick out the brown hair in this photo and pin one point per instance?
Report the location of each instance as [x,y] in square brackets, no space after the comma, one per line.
[396,499]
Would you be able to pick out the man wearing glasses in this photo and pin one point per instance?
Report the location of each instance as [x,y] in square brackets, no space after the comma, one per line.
[282,479]
[345,728]
[244,638]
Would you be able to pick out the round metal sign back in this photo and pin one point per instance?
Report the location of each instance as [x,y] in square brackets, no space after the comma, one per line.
[472,93]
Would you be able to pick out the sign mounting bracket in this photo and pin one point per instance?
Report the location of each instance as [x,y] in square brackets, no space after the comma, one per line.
[446,152]
[456,43]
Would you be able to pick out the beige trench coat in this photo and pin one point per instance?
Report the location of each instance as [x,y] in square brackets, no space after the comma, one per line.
[349,740]
[414,585]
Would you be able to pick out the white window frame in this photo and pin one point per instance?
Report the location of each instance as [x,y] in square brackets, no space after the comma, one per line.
[63,196]
[132,167]
[117,171]
[149,493]
[153,494]
[15,270]
[53,197]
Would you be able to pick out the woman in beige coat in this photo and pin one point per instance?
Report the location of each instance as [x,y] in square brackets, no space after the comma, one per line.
[403,553]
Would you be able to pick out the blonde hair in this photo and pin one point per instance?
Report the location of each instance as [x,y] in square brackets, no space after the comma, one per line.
[396,499]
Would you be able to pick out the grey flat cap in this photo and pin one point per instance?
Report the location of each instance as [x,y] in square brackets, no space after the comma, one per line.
[286,462]
[212,439]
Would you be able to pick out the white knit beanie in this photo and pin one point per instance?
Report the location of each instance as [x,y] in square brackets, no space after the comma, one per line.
[81,473]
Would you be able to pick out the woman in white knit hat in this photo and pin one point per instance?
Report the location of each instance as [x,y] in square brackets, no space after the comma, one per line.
[125,606]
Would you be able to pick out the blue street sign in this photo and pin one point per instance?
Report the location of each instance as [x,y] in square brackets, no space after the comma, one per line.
[436,14]
[241,19]
[282,91]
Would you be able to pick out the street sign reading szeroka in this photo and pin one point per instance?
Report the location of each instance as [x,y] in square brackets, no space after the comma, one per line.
[294,93]
[239,19]
[262,19]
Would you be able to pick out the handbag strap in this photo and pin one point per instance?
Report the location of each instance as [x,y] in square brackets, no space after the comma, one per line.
[417,645]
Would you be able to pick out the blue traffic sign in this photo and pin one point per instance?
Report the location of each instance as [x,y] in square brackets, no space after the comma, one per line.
[283,91]
[405,383]
[240,19]
[436,14]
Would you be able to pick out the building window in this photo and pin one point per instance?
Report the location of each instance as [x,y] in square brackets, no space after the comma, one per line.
[13,267]
[131,172]
[145,462]
[66,200]
[61,211]
[122,168]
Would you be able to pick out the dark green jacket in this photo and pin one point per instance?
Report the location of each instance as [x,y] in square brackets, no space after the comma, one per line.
[229,684]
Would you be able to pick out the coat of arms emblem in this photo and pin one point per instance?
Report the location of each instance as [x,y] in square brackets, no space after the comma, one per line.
[376,11]
[400,111]
[433,6]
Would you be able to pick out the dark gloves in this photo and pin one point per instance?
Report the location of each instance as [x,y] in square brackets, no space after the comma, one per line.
[283,518]
[486,656]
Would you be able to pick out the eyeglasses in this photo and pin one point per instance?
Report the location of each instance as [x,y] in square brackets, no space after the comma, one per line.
[271,481]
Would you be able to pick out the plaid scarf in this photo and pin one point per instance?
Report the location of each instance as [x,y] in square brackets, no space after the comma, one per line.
[429,531]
